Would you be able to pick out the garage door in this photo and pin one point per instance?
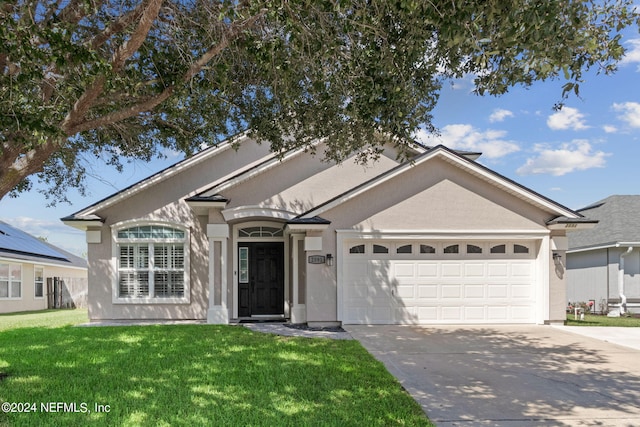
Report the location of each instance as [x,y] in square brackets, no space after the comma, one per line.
[438,282]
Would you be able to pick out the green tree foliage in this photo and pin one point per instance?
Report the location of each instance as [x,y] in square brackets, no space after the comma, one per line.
[122,79]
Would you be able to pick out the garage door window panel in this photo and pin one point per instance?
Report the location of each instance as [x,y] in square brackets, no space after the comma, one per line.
[452,249]
[427,249]
[380,249]
[498,249]
[474,249]
[404,249]
[357,249]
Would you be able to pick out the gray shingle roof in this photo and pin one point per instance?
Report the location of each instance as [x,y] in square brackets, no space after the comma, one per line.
[619,221]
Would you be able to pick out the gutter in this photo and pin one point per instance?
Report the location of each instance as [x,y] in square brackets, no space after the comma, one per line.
[621,291]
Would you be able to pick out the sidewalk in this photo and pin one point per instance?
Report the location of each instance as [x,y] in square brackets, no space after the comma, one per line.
[627,337]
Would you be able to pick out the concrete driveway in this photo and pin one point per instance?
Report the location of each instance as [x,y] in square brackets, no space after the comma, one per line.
[510,375]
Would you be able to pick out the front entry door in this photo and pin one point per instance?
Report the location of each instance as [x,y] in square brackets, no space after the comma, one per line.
[260,278]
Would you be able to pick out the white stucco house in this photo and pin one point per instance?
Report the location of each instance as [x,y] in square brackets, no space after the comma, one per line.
[603,263]
[232,234]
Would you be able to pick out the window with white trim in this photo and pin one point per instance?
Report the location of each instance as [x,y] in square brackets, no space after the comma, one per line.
[152,262]
[38,282]
[10,281]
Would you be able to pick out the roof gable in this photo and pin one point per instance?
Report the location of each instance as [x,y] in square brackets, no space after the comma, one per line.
[457,160]
[167,173]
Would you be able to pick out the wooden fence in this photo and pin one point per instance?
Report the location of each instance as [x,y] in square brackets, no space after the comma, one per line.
[66,292]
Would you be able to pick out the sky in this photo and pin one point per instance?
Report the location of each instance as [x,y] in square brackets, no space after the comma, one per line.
[579,155]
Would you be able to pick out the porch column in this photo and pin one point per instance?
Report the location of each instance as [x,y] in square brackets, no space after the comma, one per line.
[218,313]
[298,308]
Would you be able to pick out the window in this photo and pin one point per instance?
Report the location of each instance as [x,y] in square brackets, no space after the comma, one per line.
[380,249]
[520,249]
[452,249]
[499,249]
[473,249]
[358,249]
[10,281]
[244,264]
[152,262]
[427,249]
[406,249]
[38,282]
[260,232]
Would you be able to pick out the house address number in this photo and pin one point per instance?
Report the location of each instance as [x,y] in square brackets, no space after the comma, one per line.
[316,259]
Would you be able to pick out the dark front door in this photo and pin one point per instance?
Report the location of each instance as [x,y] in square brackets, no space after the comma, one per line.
[261,278]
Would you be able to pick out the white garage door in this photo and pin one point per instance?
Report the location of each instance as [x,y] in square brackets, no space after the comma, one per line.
[438,282]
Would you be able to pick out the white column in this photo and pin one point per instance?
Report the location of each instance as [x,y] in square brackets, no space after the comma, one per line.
[298,311]
[218,314]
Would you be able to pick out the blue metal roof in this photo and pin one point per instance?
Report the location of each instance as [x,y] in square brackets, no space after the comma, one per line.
[16,241]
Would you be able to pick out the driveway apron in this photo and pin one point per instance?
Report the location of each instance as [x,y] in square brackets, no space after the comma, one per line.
[510,375]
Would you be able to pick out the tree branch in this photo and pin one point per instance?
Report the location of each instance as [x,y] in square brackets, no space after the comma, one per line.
[234,31]
[124,52]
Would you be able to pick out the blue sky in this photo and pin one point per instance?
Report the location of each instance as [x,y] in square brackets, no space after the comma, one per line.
[584,153]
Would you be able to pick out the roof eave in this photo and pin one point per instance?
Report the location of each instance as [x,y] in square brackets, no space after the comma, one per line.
[572,225]
[83,223]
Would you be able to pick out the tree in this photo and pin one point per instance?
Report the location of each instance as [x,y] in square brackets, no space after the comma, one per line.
[122,79]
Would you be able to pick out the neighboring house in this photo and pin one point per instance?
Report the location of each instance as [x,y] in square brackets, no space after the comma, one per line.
[603,264]
[233,234]
[35,275]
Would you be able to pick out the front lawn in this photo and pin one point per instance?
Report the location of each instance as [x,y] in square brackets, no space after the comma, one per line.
[194,375]
[43,318]
[597,320]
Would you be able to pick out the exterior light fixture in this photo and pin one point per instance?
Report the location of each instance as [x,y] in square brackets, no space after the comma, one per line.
[329,260]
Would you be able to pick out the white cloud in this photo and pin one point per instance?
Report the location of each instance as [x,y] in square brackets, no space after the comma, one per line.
[632,55]
[499,115]
[610,129]
[572,156]
[630,113]
[567,118]
[465,137]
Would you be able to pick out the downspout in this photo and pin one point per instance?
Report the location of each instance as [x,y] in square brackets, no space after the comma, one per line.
[623,298]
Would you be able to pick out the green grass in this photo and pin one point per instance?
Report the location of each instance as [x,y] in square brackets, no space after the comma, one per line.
[596,320]
[196,375]
[43,318]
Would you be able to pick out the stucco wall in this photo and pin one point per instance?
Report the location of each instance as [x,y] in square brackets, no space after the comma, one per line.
[28,301]
[164,202]
[304,182]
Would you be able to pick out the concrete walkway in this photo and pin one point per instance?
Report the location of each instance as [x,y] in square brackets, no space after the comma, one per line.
[283,329]
[510,375]
[627,337]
